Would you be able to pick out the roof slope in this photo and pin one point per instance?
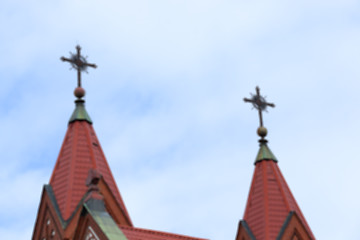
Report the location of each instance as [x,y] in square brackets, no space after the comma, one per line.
[80,152]
[133,233]
[270,200]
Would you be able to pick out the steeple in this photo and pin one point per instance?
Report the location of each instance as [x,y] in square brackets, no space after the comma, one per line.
[80,152]
[271,210]
[82,200]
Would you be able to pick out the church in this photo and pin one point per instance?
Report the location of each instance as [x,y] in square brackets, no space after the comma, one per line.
[82,200]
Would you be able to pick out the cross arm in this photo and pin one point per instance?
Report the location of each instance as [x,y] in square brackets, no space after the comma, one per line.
[64,59]
[91,65]
[270,104]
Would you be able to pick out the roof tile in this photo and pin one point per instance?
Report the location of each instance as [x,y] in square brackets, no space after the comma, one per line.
[133,233]
[80,152]
[270,201]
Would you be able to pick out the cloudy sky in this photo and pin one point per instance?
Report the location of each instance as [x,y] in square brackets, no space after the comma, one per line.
[166,101]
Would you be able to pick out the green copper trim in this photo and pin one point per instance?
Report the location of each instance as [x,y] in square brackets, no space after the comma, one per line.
[48,189]
[284,226]
[264,152]
[247,229]
[80,112]
[98,211]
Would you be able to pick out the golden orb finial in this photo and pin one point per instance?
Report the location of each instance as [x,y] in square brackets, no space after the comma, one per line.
[262,131]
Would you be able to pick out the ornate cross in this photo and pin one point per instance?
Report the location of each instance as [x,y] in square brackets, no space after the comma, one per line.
[78,62]
[259,103]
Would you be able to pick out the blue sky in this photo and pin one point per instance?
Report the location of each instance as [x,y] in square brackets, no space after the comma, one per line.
[166,102]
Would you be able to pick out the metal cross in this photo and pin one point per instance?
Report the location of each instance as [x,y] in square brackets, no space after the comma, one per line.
[259,103]
[78,62]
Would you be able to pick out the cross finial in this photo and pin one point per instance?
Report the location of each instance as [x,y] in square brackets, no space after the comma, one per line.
[78,62]
[259,103]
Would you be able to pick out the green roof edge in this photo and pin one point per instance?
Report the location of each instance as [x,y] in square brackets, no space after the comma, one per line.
[265,153]
[98,211]
[247,229]
[80,113]
[50,193]
[286,223]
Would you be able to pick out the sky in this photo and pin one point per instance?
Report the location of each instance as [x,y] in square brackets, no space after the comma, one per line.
[167,105]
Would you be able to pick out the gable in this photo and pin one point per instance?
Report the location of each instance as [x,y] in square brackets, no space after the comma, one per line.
[294,229]
[48,224]
[244,232]
[111,204]
[96,223]
[88,230]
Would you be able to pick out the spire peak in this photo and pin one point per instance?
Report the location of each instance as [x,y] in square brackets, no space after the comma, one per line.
[80,113]
[264,152]
[79,63]
[259,103]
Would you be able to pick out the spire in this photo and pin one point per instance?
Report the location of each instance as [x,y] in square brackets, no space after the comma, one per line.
[82,200]
[80,152]
[270,205]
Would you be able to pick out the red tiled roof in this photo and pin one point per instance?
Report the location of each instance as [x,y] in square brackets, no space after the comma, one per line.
[270,201]
[133,233]
[80,152]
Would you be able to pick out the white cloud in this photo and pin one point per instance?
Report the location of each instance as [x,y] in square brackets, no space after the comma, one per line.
[167,105]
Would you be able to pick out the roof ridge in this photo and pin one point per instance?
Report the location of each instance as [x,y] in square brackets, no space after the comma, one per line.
[180,236]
